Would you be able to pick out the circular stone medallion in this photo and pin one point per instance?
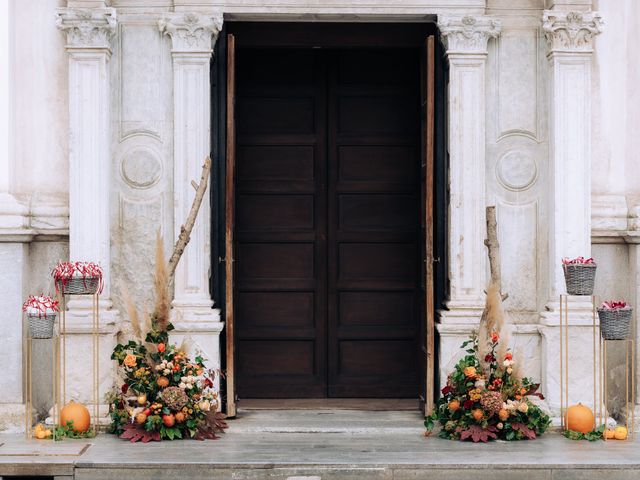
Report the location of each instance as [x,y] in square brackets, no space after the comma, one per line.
[516,170]
[141,168]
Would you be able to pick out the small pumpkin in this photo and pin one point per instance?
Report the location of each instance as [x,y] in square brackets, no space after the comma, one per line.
[76,413]
[609,433]
[580,418]
[141,418]
[620,433]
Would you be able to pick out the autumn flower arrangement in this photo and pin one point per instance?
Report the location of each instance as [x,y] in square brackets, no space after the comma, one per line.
[486,397]
[164,393]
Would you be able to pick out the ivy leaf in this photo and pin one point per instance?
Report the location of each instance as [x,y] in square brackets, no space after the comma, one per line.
[479,434]
[522,428]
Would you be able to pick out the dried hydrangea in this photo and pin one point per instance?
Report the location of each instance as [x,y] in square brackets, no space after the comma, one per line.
[174,398]
[491,402]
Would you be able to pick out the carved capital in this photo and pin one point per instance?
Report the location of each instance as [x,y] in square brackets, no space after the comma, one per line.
[87,28]
[571,31]
[191,32]
[467,34]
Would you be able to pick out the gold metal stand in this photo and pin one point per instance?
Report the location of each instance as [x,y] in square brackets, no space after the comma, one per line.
[598,410]
[95,334]
[28,382]
[630,382]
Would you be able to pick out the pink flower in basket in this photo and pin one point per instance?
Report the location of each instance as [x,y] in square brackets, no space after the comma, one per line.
[65,271]
[578,261]
[40,306]
[613,305]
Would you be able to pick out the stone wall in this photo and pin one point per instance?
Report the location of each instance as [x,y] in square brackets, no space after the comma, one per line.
[505,100]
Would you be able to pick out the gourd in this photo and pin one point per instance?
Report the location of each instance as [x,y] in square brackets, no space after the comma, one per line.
[580,418]
[76,413]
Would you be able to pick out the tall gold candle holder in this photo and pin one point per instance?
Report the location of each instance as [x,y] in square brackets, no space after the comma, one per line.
[95,336]
[28,381]
[597,357]
[630,381]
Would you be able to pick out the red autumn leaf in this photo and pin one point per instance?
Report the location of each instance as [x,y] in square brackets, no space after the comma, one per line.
[526,431]
[137,433]
[479,434]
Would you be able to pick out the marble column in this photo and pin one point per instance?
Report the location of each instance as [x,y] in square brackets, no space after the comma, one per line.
[465,40]
[88,34]
[193,36]
[569,37]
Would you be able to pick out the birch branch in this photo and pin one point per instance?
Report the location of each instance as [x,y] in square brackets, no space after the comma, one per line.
[187,227]
[493,248]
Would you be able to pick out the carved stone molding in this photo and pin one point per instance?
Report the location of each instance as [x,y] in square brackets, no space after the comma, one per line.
[87,28]
[191,32]
[468,34]
[571,31]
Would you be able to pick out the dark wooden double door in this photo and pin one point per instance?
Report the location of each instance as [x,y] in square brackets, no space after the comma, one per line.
[327,223]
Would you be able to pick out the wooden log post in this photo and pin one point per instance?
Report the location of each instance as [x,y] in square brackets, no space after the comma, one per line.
[493,249]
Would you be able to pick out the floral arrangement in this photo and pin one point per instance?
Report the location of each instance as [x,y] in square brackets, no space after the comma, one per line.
[63,272]
[486,397]
[40,306]
[613,305]
[164,393]
[578,261]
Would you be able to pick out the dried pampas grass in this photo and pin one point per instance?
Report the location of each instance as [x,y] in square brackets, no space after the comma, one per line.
[161,283]
[493,320]
[132,312]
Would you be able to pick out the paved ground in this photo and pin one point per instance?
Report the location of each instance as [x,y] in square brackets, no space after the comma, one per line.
[324,445]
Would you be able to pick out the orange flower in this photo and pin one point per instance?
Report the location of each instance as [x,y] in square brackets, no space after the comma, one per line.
[130,360]
[161,347]
[469,372]
[495,337]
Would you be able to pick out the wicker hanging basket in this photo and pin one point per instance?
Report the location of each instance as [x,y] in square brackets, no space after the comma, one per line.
[580,278]
[41,326]
[78,285]
[615,324]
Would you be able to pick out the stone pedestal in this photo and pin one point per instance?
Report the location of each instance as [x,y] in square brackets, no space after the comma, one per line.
[569,38]
[88,34]
[192,39]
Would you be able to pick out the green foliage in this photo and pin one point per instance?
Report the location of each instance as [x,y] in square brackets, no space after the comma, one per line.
[67,431]
[592,436]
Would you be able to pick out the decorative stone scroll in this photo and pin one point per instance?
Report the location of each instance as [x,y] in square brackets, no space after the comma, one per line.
[191,32]
[88,28]
[571,31]
[467,34]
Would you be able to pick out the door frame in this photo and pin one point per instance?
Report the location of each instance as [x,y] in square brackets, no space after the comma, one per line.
[436,289]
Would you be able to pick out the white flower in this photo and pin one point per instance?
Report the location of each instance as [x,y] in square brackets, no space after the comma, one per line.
[182,385]
[523,407]
[480,383]
[184,379]
[205,405]
[509,370]
[166,371]
[500,425]
[189,386]
[507,363]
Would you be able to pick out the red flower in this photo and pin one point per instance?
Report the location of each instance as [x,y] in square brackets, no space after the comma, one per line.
[495,337]
[497,381]
[124,388]
[447,390]
[489,358]
[161,347]
[208,383]
[467,404]
[508,356]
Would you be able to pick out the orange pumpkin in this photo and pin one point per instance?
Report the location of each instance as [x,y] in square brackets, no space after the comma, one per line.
[76,413]
[580,418]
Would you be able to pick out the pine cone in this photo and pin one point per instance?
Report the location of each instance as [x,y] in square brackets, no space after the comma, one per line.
[174,398]
[491,402]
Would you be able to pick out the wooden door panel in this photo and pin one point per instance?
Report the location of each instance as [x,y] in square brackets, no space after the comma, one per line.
[281,225]
[373,224]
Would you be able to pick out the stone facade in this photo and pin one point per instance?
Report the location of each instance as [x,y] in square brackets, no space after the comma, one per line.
[108,111]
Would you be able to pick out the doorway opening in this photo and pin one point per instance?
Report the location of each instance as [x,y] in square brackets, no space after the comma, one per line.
[327,197]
